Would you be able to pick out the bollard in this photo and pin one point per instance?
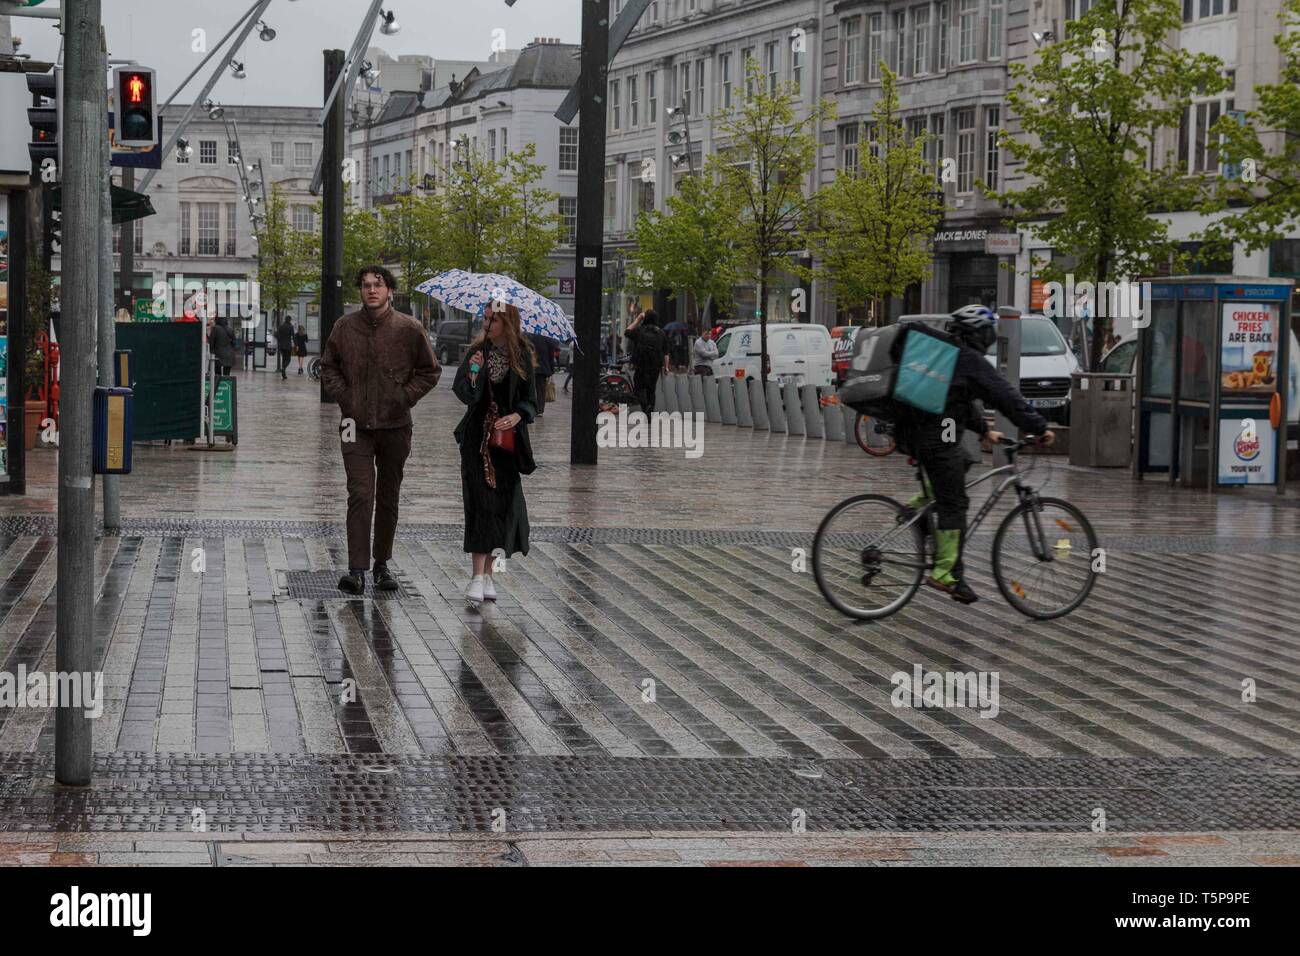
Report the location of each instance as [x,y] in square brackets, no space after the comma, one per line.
[712,394]
[726,401]
[683,393]
[696,384]
[667,402]
[775,410]
[832,417]
[850,419]
[812,412]
[758,404]
[794,420]
[744,409]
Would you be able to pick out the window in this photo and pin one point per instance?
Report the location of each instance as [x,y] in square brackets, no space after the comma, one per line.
[611,199]
[277,154]
[899,58]
[1198,151]
[796,69]
[302,217]
[505,142]
[967,24]
[568,149]
[302,154]
[945,18]
[699,87]
[384,186]
[873,140]
[997,10]
[374,174]
[230,229]
[410,170]
[569,219]
[1200,9]
[746,55]
[916,128]
[185,229]
[965,150]
[646,190]
[232,152]
[182,158]
[938,144]
[684,88]
[724,71]
[651,97]
[850,51]
[875,44]
[209,228]
[633,106]
[921,41]
[849,149]
[992,151]
[492,145]
[654,12]
[207,152]
[614,109]
[1074,9]
[771,65]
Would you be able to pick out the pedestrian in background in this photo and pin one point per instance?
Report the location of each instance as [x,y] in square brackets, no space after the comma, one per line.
[221,341]
[377,363]
[546,353]
[300,345]
[284,345]
[649,347]
[497,380]
[706,350]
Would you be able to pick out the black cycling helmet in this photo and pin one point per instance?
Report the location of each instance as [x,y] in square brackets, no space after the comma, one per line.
[976,325]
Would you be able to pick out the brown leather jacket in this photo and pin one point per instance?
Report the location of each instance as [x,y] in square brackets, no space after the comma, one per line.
[377,369]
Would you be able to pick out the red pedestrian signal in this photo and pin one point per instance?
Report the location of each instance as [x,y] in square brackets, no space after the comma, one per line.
[135,116]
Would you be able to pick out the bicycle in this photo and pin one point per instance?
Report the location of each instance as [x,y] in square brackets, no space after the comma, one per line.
[875,435]
[615,387]
[870,551]
[313,368]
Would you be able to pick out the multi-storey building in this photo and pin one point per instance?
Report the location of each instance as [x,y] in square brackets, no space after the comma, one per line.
[493,110]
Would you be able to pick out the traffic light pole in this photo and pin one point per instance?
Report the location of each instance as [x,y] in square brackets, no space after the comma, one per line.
[588,269]
[83,104]
[331,268]
[107,337]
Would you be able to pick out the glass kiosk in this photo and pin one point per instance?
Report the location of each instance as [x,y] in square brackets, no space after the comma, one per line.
[1212,373]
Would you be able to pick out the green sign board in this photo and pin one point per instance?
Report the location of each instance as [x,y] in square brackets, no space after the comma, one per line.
[223,407]
[146,312]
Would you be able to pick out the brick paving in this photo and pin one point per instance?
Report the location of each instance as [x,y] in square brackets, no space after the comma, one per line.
[657,615]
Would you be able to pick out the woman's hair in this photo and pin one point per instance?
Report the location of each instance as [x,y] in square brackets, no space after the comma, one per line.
[302,328]
[517,344]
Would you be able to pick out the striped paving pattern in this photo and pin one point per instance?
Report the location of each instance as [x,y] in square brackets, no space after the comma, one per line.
[632,649]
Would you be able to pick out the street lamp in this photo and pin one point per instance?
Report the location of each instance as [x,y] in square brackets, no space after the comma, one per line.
[215,112]
[264,31]
[1044,36]
[237,70]
[183,148]
[390,26]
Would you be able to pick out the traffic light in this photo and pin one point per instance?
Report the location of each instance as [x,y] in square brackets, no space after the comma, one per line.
[134,107]
[44,118]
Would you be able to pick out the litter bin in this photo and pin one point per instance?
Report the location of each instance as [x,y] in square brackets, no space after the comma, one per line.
[1101,420]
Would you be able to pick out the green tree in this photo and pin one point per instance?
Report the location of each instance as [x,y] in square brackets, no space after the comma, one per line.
[530,222]
[691,244]
[410,234]
[874,225]
[1261,152]
[1092,107]
[288,261]
[767,155]
[475,204]
[363,243]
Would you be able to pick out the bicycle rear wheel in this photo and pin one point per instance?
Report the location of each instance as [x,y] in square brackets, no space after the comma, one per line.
[1054,581]
[873,436]
[866,560]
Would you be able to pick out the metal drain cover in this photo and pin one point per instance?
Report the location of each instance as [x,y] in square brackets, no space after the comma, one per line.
[324,586]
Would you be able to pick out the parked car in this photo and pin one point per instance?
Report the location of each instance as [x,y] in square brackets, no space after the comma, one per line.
[799,352]
[1046,364]
[452,334]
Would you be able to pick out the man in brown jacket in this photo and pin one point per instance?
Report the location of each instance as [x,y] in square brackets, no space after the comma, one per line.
[376,364]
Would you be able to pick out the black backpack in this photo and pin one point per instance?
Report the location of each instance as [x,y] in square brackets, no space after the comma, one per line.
[651,345]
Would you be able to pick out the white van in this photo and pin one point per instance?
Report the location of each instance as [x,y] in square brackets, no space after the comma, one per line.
[799,352]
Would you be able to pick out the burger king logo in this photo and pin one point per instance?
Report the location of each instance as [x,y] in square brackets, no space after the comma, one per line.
[1247,445]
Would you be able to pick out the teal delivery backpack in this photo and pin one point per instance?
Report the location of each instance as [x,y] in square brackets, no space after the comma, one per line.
[925,370]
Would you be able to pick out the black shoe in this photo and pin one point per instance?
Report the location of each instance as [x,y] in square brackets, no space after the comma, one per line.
[384,580]
[354,582]
[961,591]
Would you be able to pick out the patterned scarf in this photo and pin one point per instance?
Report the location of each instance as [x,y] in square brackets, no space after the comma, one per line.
[498,364]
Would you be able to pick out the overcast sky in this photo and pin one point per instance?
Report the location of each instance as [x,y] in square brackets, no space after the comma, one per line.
[288,70]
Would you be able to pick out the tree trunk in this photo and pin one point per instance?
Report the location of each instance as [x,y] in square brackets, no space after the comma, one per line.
[1098,337]
[762,327]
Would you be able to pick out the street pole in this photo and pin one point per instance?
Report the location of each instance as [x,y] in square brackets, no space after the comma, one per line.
[587,271]
[83,119]
[107,332]
[331,269]
[128,249]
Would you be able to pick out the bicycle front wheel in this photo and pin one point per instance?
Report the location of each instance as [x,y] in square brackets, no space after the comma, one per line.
[873,436]
[1043,556]
[867,559]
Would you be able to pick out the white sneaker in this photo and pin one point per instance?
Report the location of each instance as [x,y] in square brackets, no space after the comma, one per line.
[489,589]
[474,593]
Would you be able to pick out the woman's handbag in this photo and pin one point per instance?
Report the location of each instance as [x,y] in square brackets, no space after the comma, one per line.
[503,439]
[550,391]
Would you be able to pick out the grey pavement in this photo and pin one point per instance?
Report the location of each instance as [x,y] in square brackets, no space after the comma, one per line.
[657,617]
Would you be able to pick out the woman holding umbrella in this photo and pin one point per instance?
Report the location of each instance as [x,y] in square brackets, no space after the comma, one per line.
[497,383]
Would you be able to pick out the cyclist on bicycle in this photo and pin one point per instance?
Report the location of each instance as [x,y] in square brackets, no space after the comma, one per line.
[938,448]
